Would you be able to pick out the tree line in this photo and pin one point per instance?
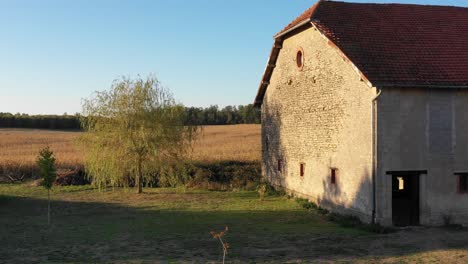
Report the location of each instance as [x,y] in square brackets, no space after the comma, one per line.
[65,122]
[229,115]
[213,115]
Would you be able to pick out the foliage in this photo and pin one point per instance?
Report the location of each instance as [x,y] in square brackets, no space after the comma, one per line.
[46,164]
[304,203]
[175,174]
[65,121]
[47,170]
[212,115]
[262,189]
[228,115]
[266,189]
[274,191]
[216,147]
[132,132]
[225,175]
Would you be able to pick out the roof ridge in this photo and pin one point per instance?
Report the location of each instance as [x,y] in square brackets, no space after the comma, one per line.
[391,4]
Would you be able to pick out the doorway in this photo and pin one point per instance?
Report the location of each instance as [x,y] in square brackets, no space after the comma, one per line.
[405,198]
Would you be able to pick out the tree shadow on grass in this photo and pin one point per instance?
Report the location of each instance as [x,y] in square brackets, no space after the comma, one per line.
[109,232]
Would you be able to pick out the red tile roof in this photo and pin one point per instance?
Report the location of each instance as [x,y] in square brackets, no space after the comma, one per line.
[397,45]
[400,44]
[304,16]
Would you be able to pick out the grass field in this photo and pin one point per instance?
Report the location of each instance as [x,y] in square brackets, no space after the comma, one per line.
[173,225]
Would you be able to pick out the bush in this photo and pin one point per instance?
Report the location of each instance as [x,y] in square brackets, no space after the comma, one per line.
[304,203]
[175,175]
[71,177]
[226,175]
[272,191]
[322,211]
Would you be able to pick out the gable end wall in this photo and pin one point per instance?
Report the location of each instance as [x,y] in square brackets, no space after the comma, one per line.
[320,116]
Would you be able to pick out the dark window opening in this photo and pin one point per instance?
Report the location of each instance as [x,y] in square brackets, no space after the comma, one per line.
[300,59]
[462,182]
[333,176]
[302,169]
[280,165]
[267,144]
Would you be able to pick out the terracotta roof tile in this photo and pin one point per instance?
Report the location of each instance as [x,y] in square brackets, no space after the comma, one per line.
[397,44]
[306,15]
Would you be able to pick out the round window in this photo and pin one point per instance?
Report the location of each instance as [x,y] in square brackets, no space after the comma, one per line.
[300,59]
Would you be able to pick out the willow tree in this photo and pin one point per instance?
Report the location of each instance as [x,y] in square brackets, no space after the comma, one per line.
[131,131]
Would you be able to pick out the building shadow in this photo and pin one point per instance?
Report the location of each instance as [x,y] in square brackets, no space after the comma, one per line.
[89,232]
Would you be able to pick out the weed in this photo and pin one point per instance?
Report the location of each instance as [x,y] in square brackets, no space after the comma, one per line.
[347,221]
[224,244]
[262,188]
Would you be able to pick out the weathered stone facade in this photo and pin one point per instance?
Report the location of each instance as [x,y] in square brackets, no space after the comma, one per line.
[424,129]
[320,116]
[370,117]
[323,116]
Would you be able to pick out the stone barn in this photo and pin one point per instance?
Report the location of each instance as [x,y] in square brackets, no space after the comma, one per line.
[365,111]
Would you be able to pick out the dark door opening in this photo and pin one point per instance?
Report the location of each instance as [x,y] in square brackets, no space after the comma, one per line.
[405,198]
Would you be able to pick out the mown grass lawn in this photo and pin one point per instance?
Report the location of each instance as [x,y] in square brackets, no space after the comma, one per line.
[165,225]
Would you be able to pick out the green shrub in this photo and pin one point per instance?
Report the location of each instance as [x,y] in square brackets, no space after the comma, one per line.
[175,175]
[272,191]
[322,211]
[304,203]
[226,175]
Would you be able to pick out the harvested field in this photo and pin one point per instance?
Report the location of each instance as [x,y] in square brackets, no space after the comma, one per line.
[231,143]
[19,147]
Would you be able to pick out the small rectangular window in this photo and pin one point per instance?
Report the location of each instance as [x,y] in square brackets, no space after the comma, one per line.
[280,165]
[302,169]
[333,176]
[462,182]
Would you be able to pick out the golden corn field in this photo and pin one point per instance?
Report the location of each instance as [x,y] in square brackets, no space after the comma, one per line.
[19,147]
[231,142]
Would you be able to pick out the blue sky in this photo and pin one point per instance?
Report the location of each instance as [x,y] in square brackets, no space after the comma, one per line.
[55,52]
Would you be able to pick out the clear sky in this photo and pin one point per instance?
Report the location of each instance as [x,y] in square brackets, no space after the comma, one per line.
[55,52]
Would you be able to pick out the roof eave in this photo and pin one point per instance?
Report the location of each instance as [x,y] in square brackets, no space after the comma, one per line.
[272,60]
[409,85]
[302,23]
[271,64]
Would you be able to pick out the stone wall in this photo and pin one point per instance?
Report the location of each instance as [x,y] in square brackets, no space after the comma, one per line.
[321,116]
[424,129]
